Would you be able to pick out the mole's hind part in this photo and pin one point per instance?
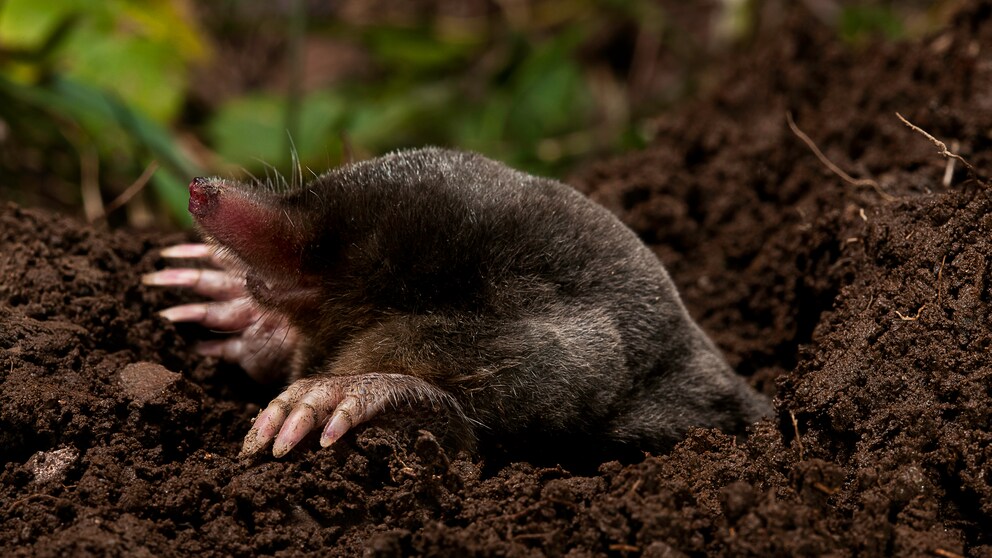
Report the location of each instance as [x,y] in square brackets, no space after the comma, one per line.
[509,304]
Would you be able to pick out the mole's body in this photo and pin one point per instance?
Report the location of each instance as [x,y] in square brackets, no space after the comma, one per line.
[510,304]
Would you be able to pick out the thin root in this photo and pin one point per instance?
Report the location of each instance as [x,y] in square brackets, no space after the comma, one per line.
[131,190]
[799,440]
[911,318]
[828,490]
[831,166]
[942,148]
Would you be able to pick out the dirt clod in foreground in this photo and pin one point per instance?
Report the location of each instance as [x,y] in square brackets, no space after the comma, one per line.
[869,318]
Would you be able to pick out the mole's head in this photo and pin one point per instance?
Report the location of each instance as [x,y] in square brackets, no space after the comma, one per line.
[274,237]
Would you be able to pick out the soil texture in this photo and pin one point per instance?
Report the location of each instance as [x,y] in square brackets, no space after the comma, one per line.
[866,309]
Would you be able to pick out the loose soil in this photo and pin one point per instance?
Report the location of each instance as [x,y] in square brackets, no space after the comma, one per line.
[868,317]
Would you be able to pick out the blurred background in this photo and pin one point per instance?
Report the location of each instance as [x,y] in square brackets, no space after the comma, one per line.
[109,108]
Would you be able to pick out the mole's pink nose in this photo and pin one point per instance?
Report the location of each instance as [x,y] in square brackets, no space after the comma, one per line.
[202,196]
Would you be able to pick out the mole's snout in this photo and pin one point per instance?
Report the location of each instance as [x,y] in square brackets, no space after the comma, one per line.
[203,195]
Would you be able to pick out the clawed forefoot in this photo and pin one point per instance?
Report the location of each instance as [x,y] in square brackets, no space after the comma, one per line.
[262,343]
[336,404]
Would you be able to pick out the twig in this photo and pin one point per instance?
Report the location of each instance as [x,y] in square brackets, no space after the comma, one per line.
[829,491]
[941,147]
[620,547]
[831,166]
[946,553]
[799,440]
[871,299]
[911,318]
[132,190]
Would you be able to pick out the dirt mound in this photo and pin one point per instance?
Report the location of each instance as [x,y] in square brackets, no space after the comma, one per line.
[867,313]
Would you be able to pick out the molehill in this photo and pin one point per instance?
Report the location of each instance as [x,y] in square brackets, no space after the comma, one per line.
[864,309]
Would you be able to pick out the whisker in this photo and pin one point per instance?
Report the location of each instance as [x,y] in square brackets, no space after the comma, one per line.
[297,170]
[255,182]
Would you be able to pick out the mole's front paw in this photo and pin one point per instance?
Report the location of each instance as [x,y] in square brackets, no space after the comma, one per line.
[264,342]
[337,403]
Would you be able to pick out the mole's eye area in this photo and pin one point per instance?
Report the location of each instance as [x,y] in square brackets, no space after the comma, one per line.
[317,257]
[257,287]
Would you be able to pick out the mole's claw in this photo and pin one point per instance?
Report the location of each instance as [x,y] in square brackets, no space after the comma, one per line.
[300,422]
[264,343]
[229,315]
[267,424]
[219,285]
[191,251]
[185,313]
[347,400]
[219,348]
[195,252]
[341,421]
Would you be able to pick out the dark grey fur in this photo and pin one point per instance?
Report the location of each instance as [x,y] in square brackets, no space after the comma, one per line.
[537,311]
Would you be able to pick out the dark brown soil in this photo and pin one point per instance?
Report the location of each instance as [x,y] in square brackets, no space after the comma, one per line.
[870,318]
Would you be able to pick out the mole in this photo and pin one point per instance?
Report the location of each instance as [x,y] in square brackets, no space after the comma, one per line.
[511,305]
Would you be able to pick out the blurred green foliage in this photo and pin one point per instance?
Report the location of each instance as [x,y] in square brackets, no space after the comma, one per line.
[91,92]
[422,96]
[859,23]
[140,50]
[114,77]
[103,75]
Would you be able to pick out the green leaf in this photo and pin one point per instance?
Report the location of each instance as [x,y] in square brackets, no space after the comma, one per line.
[247,128]
[113,125]
[139,50]
[173,192]
[100,110]
[28,23]
[146,75]
[548,93]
